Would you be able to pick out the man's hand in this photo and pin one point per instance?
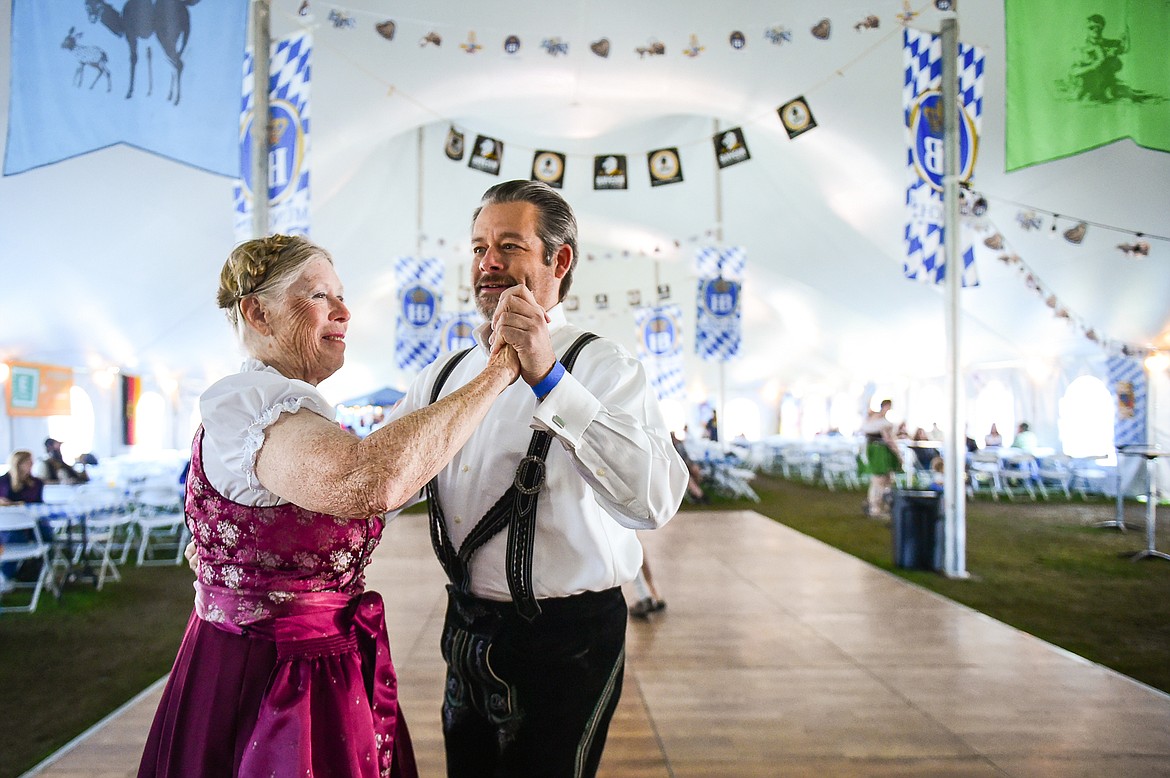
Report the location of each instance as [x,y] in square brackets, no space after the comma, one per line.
[522,323]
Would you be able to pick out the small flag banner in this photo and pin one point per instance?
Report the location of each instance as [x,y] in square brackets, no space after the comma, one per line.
[718,329]
[76,87]
[288,141]
[549,167]
[1127,380]
[486,155]
[131,391]
[921,103]
[456,330]
[416,342]
[660,348]
[39,390]
[730,147]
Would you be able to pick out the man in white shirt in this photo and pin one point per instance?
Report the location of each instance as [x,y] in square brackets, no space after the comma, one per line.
[534,637]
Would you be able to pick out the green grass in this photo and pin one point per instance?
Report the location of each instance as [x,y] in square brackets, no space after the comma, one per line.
[1041,567]
[1038,566]
[69,664]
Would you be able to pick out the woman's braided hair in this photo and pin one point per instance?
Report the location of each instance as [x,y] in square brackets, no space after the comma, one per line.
[263,266]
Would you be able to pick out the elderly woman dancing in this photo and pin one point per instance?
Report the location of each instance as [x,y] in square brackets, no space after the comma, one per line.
[285,666]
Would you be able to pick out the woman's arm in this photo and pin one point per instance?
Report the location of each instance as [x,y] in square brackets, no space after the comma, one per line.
[313,463]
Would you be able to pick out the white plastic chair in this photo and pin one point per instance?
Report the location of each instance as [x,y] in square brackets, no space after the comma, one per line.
[24,544]
[159,515]
[108,528]
[983,471]
[1017,471]
[1055,471]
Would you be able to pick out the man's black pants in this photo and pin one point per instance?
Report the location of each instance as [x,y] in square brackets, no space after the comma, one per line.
[531,699]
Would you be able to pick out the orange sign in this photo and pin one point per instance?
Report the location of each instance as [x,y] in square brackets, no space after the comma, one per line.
[39,390]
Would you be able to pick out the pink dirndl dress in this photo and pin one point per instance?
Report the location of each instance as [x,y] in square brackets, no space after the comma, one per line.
[285,667]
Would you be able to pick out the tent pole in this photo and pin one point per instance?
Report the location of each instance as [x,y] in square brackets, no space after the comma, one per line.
[719,241]
[954,492]
[418,226]
[261,43]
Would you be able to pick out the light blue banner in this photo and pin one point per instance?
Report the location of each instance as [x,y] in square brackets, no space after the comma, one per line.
[74,89]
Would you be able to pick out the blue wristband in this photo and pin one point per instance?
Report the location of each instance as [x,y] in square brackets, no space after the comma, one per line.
[550,381]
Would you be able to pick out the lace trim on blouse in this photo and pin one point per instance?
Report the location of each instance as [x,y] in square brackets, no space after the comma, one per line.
[254,435]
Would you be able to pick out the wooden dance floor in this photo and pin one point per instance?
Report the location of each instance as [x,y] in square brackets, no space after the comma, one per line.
[778,656]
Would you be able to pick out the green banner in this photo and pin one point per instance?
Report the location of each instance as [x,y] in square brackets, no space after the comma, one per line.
[1084,73]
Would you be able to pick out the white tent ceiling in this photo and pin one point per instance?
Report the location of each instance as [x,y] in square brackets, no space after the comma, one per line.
[111,259]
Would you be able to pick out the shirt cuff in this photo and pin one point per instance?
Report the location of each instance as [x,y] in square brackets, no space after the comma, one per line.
[550,381]
[567,411]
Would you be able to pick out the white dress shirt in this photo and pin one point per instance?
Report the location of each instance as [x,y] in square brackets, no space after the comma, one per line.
[611,469]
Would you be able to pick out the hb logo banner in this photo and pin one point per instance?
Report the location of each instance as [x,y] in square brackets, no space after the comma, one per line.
[161,76]
[416,342]
[288,140]
[924,117]
[718,327]
[660,348]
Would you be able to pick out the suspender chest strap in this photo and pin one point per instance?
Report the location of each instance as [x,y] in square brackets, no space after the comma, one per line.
[516,509]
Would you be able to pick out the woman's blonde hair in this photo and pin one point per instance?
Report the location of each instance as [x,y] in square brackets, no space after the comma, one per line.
[265,267]
[18,456]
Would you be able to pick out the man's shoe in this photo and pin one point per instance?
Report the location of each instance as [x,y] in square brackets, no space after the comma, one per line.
[642,608]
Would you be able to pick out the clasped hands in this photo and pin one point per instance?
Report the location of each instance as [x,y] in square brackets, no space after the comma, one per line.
[521,322]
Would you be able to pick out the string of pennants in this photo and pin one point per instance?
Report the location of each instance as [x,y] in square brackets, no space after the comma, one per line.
[611,171]
[997,242]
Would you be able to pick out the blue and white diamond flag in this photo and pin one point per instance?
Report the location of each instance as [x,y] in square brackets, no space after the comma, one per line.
[457,330]
[921,102]
[717,310]
[416,343]
[712,262]
[660,348]
[288,140]
[1127,380]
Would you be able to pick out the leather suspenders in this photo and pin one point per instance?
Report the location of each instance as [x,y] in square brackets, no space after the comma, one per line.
[516,509]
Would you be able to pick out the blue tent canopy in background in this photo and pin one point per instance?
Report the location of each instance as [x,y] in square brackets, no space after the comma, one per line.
[386,397]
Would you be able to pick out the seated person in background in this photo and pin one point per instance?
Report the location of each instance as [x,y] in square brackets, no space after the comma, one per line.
[54,470]
[19,485]
[993,438]
[923,454]
[1025,439]
[903,432]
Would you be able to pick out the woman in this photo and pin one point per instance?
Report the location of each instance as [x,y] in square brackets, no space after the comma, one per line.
[19,485]
[285,666]
[881,459]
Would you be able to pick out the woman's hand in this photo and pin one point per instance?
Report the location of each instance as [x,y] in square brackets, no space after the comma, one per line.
[192,557]
[504,359]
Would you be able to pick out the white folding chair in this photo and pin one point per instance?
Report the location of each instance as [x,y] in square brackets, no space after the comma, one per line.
[108,528]
[23,543]
[1055,471]
[161,524]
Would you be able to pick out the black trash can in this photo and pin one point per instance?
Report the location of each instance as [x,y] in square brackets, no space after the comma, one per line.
[917,524]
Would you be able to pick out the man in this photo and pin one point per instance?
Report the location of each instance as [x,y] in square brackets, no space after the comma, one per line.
[53,469]
[534,637]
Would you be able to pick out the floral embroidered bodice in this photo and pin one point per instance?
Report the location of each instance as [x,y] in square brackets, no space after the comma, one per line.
[256,562]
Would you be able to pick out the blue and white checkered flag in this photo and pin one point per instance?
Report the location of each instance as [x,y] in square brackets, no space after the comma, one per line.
[457,330]
[660,348]
[712,262]
[921,102]
[288,152]
[1127,381]
[717,309]
[416,342]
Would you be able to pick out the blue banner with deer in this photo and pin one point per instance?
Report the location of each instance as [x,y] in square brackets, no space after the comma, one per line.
[159,75]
